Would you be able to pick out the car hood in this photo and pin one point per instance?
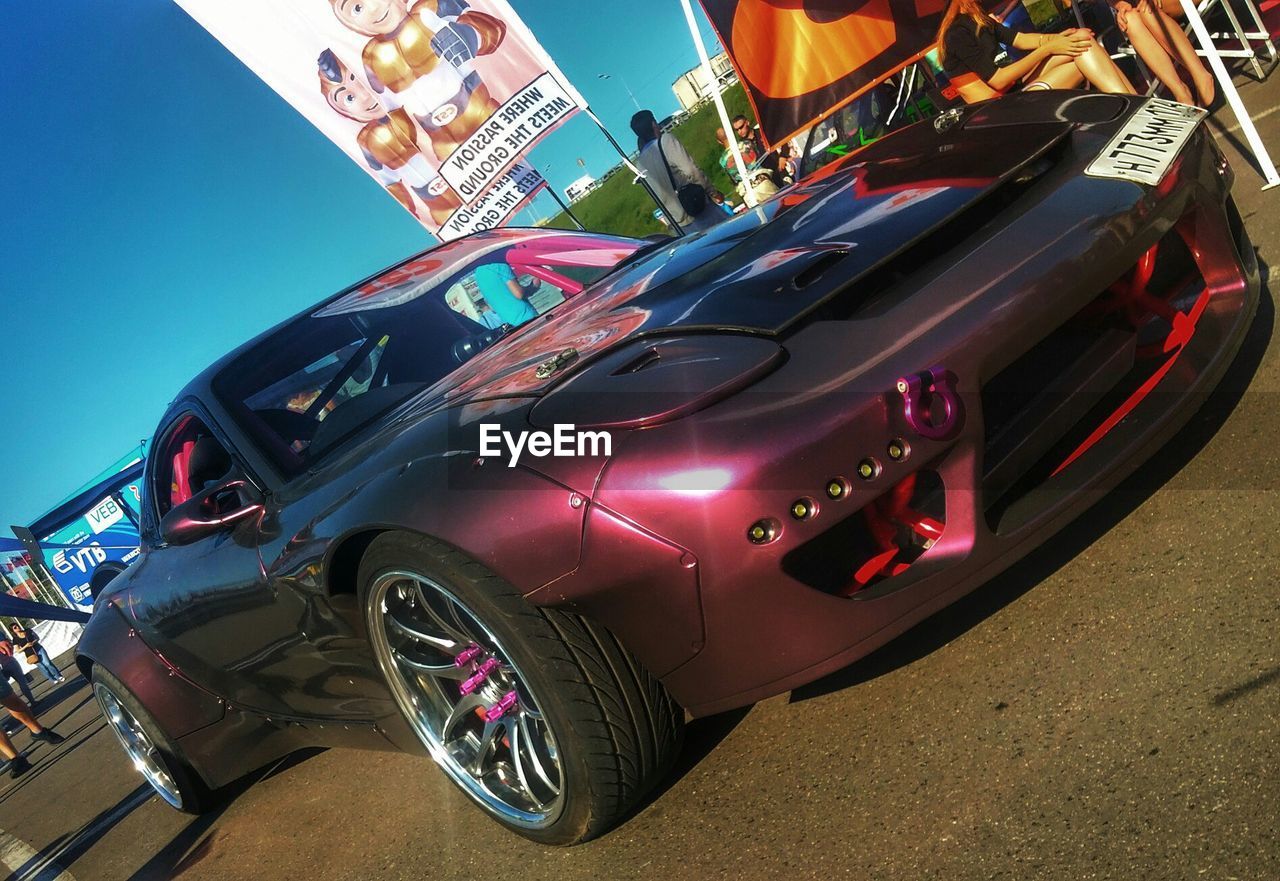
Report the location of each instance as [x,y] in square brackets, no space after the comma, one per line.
[767,268]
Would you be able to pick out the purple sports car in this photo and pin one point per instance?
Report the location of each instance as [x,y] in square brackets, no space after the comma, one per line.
[527,501]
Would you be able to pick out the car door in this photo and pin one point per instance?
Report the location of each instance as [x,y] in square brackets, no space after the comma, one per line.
[203,599]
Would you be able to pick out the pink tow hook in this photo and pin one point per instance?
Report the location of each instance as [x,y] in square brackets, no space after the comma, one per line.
[501,708]
[482,673]
[467,655]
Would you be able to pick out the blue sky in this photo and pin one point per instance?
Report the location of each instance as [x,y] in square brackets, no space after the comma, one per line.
[164,205]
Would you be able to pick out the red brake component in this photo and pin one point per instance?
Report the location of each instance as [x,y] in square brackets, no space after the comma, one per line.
[885,518]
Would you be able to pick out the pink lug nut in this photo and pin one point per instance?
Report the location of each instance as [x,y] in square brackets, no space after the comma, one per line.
[467,655]
[501,708]
[482,673]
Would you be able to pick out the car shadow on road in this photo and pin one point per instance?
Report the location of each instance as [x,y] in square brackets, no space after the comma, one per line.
[198,838]
[948,624]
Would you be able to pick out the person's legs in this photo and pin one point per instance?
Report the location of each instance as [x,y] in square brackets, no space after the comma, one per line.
[7,749]
[47,666]
[1056,72]
[1151,51]
[10,667]
[21,711]
[1101,71]
[18,764]
[27,717]
[710,216]
[1178,44]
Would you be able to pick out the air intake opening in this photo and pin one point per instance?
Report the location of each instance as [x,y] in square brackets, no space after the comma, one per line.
[1052,405]
[867,550]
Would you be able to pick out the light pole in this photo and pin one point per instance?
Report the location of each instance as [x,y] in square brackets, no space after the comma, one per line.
[621,79]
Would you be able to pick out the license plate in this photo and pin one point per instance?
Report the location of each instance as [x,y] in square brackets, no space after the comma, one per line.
[1146,146]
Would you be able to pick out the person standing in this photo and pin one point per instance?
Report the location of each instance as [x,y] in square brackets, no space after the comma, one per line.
[29,644]
[10,668]
[684,190]
[503,292]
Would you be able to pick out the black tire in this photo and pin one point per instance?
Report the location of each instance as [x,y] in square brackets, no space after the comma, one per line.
[193,796]
[102,576]
[616,729]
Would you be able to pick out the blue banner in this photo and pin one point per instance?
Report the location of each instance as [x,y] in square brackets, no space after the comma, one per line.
[106,532]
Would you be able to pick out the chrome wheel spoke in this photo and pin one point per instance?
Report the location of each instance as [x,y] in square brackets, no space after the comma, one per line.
[488,741]
[444,644]
[530,744]
[440,671]
[453,630]
[515,737]
[461,711]
[492,740]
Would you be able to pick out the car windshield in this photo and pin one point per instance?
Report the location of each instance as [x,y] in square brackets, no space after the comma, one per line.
[323,376]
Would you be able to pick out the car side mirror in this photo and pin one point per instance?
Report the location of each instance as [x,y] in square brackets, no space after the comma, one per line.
[211,510]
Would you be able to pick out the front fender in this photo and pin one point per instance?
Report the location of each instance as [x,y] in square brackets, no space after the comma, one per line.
[177,705]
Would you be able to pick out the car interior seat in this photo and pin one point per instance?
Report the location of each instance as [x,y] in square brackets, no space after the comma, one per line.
[208,463]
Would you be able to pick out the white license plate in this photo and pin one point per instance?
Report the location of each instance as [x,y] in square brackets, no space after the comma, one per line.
[1146,146]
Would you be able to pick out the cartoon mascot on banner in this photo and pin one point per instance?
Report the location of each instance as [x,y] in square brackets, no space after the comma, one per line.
[389,141]
[421,58]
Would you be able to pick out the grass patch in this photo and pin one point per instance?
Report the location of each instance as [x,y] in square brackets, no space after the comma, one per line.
[621,207]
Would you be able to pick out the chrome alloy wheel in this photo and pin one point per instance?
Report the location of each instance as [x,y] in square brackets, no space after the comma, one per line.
[138,745]
[466,700]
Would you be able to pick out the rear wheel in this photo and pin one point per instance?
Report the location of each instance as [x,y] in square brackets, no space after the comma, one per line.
[540,717]
[153,754]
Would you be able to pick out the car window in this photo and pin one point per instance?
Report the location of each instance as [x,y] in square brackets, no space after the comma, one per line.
[187,460]
[330,372]
[298,403]
[467,298]
[892,104]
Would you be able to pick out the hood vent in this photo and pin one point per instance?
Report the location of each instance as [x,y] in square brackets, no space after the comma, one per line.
[874,293]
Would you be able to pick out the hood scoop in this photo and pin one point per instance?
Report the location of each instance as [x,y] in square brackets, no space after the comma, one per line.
[657,380]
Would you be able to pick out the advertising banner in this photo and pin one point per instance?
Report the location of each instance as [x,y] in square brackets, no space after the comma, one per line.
[105,532]
[801,59]
[438,100]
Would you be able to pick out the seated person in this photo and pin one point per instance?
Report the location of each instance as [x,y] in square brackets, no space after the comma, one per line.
[504,293]
[969,47]
[751,143]
[762,184]
[1159,41]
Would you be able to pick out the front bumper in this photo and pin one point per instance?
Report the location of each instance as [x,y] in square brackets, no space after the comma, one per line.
[981,312]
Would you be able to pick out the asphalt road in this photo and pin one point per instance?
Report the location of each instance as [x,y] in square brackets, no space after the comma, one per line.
[1107,709]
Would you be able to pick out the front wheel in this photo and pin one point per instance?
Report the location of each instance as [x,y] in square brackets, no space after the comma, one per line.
[540,717]
[152,752]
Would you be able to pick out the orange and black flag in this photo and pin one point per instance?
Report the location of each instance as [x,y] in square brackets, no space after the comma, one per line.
[800,59]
